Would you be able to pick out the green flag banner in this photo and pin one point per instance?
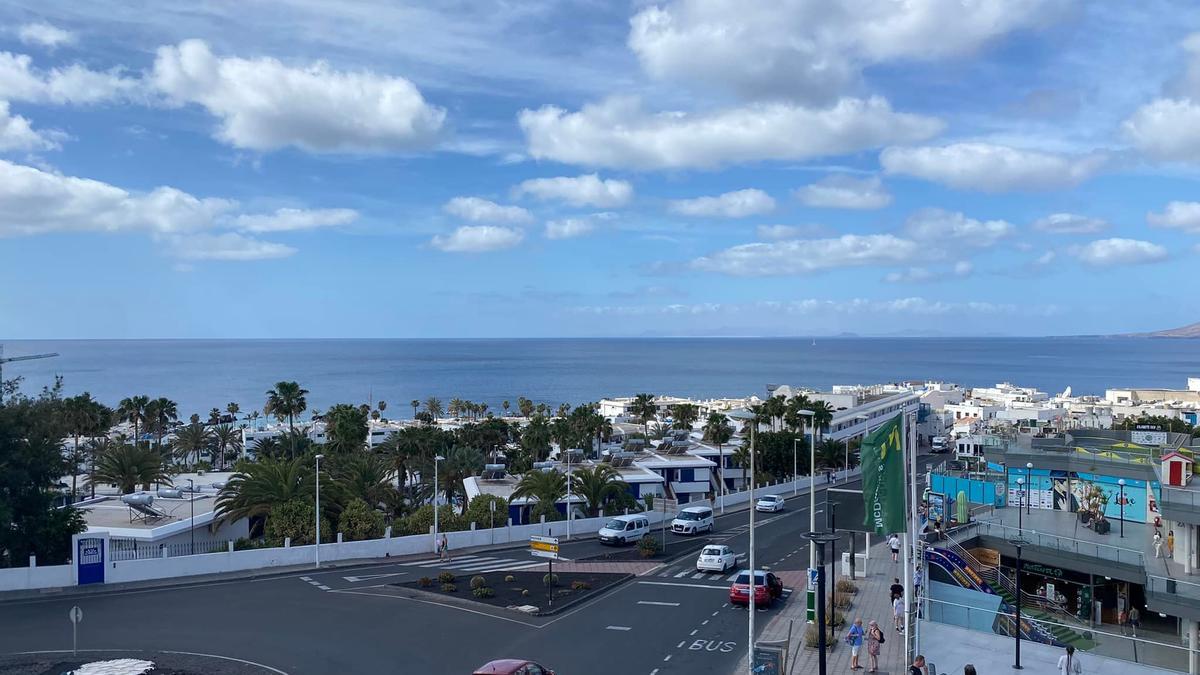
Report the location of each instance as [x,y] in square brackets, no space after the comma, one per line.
[883,479]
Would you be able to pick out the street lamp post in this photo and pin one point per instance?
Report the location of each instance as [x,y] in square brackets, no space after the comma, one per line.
[1121,501]
[1029,481]
[818,540]
[192,525]
[317,547]
[436,459]
[795,467]
[812,486]
[1018,542]
[1020,511]
[753,420]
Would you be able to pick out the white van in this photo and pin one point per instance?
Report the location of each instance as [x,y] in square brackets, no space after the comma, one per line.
[624,529]
[693,520]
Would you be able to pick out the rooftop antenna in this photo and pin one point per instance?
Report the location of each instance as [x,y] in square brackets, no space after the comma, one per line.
[3,361]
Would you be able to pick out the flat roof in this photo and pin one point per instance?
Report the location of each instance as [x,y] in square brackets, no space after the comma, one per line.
[110,514]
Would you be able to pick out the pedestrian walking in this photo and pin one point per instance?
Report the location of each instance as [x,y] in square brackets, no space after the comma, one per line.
[854,638]
[898,614]
[1170,543]
[874,640]
[1158,543]
[968,669]
[1068,664]
[894,545]
[1135,620]
[918,666]
[1123,620]
[897,589]
[444,549]
[917,582]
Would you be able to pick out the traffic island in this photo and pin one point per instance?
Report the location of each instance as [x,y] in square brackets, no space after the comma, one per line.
[518,588]
[133,662]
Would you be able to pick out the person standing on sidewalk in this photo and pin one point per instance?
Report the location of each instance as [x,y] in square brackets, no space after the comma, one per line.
[894,545]
[874,640]
[918,666]
[1158,542]
[898,613]
[1135,620]
[854,638]
[1170,543]
[897,590]
[1123,619]
[1068,664]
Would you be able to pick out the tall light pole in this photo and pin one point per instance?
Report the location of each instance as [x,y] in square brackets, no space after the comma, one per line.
[857,418]
[1029,481]
[1020,511]
[1121,501]
[1018,542]
[436,459]
[192,525]
[795,467]
[753,420]
[317,547]
[818,540]
[812,486]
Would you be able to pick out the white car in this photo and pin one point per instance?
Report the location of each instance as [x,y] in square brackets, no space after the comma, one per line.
[769,504]
[716,559]
[693,520]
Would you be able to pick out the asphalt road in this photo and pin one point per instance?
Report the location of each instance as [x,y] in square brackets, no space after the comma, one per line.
[351,620]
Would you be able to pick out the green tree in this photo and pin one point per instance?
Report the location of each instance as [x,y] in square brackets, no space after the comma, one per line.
[546,487]
[718,431]
[535,438]
[822,416]
[415,405]
[31,465]
[226,438]
[363,477]
[433,406]
[192,439]
[461,463]
[525,407]
[295,519]
[421,520]
[133,411]
[359,521]
[346,429]
[128,466]
[263,484]
[480,512]
[285,402]
[793,416]
[599,485]
[830,454]
[684,415]
[644,408]
[160,412]
[233,409]
[84,417]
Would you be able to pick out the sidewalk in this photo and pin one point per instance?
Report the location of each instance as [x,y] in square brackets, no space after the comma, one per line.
[873,601]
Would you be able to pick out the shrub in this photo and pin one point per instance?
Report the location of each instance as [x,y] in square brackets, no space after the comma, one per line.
[294,519]
[479,511]
[649,546]
[846,586]
[544,509]
[842,601]
[580,586]
[478,582]
[424,582]
[510,578]
[483,592]
[549,579]
[359,521]
[244,544]
[446,577]
[525,593]
[421,520]
[449,588]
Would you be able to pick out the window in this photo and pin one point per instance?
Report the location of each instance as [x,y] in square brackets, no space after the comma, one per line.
[533,669]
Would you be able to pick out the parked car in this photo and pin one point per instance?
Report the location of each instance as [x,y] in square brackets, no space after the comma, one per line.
[769,504]
[716,559]
[767,587]
[624,529]
[693,520]
[512,667]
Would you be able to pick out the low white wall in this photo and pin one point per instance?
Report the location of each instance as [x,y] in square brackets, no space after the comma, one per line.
[235,561]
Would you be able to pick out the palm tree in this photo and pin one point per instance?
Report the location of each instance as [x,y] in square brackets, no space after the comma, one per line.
[541,486]
[775,408]
[535,438]
[741,457]
[381,406]
[433,406]
[133,410]
[233,409]
[598,485]
[192,439]
[159,414]
[264,484]
[524,406]
[415,405]
[685,415]
[214,416]
[792,416]
[401,448]
[128,466]
[85,416]
[362,476]
[643,407]
[286,401]
[506,405]
[253,417]
[460,463]
[718,431]
[822,415]
[226,437]
[829,453]
[266,447]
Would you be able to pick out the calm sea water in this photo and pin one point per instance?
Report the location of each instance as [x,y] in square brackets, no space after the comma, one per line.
[201,374]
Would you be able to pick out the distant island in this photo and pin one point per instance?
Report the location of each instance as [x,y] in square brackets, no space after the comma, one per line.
[1190,331]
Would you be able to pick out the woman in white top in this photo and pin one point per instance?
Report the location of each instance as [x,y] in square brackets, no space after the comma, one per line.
[898,613]
[1068,664]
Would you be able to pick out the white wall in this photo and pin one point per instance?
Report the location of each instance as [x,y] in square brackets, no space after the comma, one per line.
[21,578]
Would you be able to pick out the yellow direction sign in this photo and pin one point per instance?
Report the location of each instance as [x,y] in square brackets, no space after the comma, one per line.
[542,546]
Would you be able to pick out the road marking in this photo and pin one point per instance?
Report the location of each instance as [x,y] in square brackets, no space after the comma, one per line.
[654,672]
[699,575]
[733,576]
[681,644]
[683,573]
[715,613]
[617,628]
[431,560]
[305,578]
[705,622]
[667,658]
[368,577]
[658,604]
[694,632]
[324,588]
[668,583]
[512,567]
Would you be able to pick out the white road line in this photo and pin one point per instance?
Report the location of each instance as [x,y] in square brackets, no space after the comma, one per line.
[683,574]
[517,567]
[422,563]
[694,632]
[617,628]
[305,579]
[699,575]
[504,565]
[681,644]
[654,672]
[669,583]
[733,576]
[324,588]
[715,613]
[472,566]
[704,622]
[657,603]
[667,658]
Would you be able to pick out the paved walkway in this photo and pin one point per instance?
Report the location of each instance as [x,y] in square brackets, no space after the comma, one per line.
[873,601]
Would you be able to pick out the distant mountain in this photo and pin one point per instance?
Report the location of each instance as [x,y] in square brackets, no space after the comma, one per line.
[1192,331]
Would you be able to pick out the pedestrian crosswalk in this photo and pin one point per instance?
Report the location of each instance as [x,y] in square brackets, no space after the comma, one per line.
[477,563]
[689,571]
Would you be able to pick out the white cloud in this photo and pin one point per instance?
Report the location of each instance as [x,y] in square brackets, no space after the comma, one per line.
[1168,128]
[1070,223]
[913,305]
[569,228]
[841,191]
[479,210]
[585,190]
[16,133]
[45,35]
[915,275]
[950,228]
[478,238]
[1117,252]
[814,50]
[781,232]
[991,168]
[798,256]
[1180,215]
[738,204]
[74,84]
[287,220]
[618,133]
[226,246]
[264,104]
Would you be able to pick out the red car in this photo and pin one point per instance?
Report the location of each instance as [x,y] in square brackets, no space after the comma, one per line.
[767,587]
[512,667]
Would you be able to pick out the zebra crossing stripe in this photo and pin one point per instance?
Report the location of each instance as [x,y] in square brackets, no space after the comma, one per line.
[683,573]
[507,566]
[435,560]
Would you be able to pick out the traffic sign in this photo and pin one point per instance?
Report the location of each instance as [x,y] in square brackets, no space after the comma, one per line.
[544,540]
[552,555]
[542,546]
[75,614]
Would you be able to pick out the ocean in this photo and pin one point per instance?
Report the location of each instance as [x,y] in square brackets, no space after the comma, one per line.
[202,374]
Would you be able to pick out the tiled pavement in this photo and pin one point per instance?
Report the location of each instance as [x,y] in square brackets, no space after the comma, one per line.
[871,602]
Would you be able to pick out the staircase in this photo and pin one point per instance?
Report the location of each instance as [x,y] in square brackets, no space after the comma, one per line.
[1047,615]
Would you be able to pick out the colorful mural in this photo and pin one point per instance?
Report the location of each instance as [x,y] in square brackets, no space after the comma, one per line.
[1070,491]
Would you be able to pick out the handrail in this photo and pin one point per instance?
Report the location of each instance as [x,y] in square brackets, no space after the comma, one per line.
[1000,578]
[1077,546]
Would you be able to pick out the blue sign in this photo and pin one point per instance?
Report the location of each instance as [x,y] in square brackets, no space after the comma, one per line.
[89,559]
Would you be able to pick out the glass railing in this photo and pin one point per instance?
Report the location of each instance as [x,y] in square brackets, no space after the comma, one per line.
[1178,497]
[1127,556]
[1150,647]
[1172,586]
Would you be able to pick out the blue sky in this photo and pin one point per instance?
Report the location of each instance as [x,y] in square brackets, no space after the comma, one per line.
[376,169]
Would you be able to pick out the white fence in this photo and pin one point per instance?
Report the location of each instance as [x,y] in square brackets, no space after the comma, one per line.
[121,571]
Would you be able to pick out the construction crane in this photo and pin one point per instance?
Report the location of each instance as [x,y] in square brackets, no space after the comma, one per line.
[4,360]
